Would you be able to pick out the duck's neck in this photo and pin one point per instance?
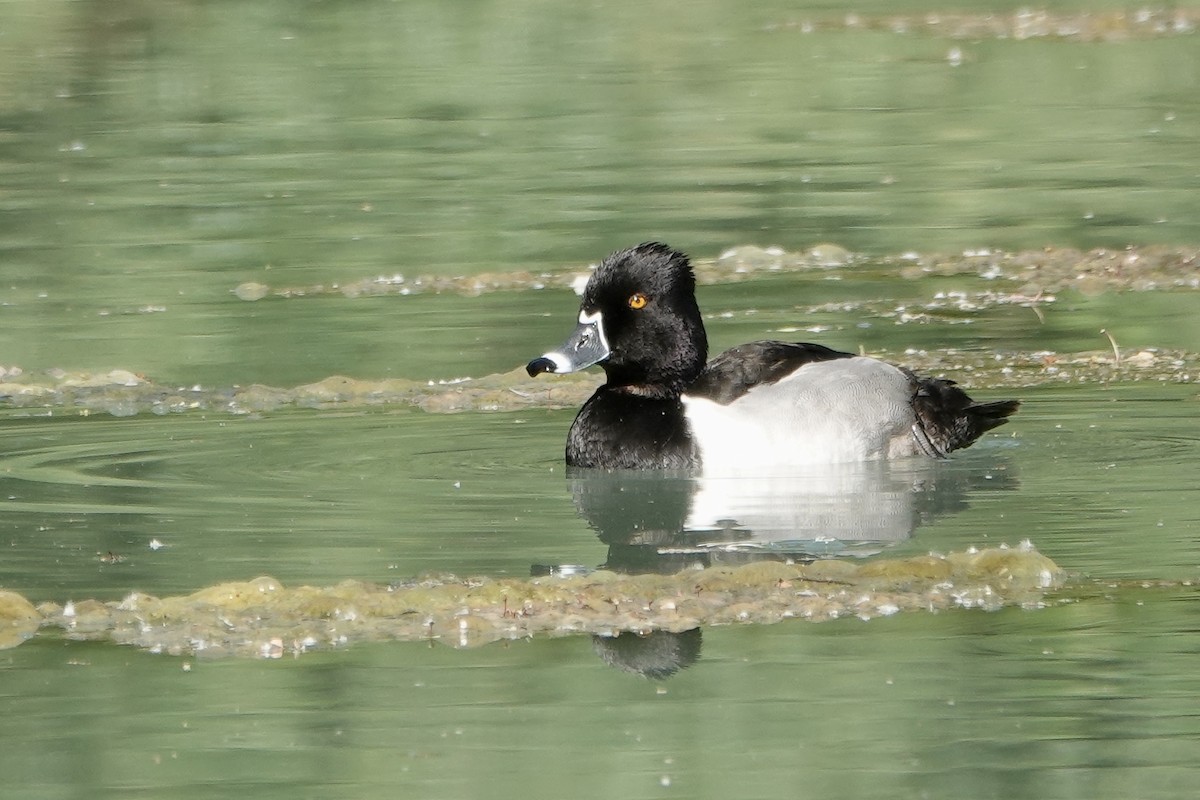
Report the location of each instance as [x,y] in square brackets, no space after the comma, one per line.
[680,359]
[666,384]
[649,391]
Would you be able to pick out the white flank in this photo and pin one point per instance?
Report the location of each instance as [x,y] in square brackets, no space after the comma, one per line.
[850,409]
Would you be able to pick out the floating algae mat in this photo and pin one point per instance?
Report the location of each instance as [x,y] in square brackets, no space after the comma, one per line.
[122,393]
[263,618]
[1028,279]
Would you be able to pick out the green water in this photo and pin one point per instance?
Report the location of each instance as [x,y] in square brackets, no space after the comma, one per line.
[154,157]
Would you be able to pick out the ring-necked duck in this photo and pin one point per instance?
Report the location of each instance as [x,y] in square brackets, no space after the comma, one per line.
[763,405]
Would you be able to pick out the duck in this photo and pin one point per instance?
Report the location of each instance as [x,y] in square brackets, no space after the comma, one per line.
[761,406]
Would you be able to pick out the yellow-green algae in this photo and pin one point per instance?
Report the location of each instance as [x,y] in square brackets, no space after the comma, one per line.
[1029,272]
[1100,25]
[120,393]
[18,619]
[263,618]
[1027,279]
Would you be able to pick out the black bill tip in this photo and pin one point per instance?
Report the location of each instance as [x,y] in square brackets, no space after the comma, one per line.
[538,366]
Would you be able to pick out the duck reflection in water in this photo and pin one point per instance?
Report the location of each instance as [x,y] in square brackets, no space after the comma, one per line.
[664,522]
[657,654]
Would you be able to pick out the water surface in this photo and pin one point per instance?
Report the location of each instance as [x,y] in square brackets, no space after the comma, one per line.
[158,157]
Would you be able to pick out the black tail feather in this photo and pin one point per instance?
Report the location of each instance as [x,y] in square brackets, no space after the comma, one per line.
[948,419]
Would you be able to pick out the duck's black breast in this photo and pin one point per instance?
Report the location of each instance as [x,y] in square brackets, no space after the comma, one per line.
[739,369]
[621,429]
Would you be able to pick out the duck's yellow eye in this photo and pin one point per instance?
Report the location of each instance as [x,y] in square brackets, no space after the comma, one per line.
[637,300]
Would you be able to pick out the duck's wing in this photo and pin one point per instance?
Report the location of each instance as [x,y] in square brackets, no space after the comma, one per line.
[739,369]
